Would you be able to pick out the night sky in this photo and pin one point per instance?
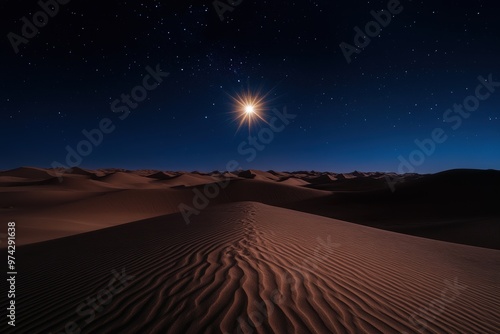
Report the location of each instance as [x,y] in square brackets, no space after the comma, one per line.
[361,115]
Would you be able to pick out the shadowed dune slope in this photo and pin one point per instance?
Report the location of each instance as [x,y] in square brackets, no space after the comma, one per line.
[248,267]
[66,212]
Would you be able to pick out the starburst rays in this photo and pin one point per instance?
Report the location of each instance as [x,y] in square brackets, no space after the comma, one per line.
[249,107]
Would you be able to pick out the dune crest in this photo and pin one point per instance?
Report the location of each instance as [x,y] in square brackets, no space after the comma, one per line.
[248,267]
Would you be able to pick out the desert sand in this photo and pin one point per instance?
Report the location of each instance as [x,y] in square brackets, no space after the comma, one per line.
[107,251]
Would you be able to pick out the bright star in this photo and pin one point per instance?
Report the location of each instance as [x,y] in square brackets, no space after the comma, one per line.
[249,107]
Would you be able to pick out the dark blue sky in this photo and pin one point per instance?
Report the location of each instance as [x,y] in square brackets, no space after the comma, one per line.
[364,115]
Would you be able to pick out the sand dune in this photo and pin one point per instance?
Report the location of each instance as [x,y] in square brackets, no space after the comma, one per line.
[435,206]
[258,175]
[189,180]
[247,263]
[27,173]
[293,181]
[81,171]
[321,179]
[251,268]
[128,180]
[162,176]
[104,204]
